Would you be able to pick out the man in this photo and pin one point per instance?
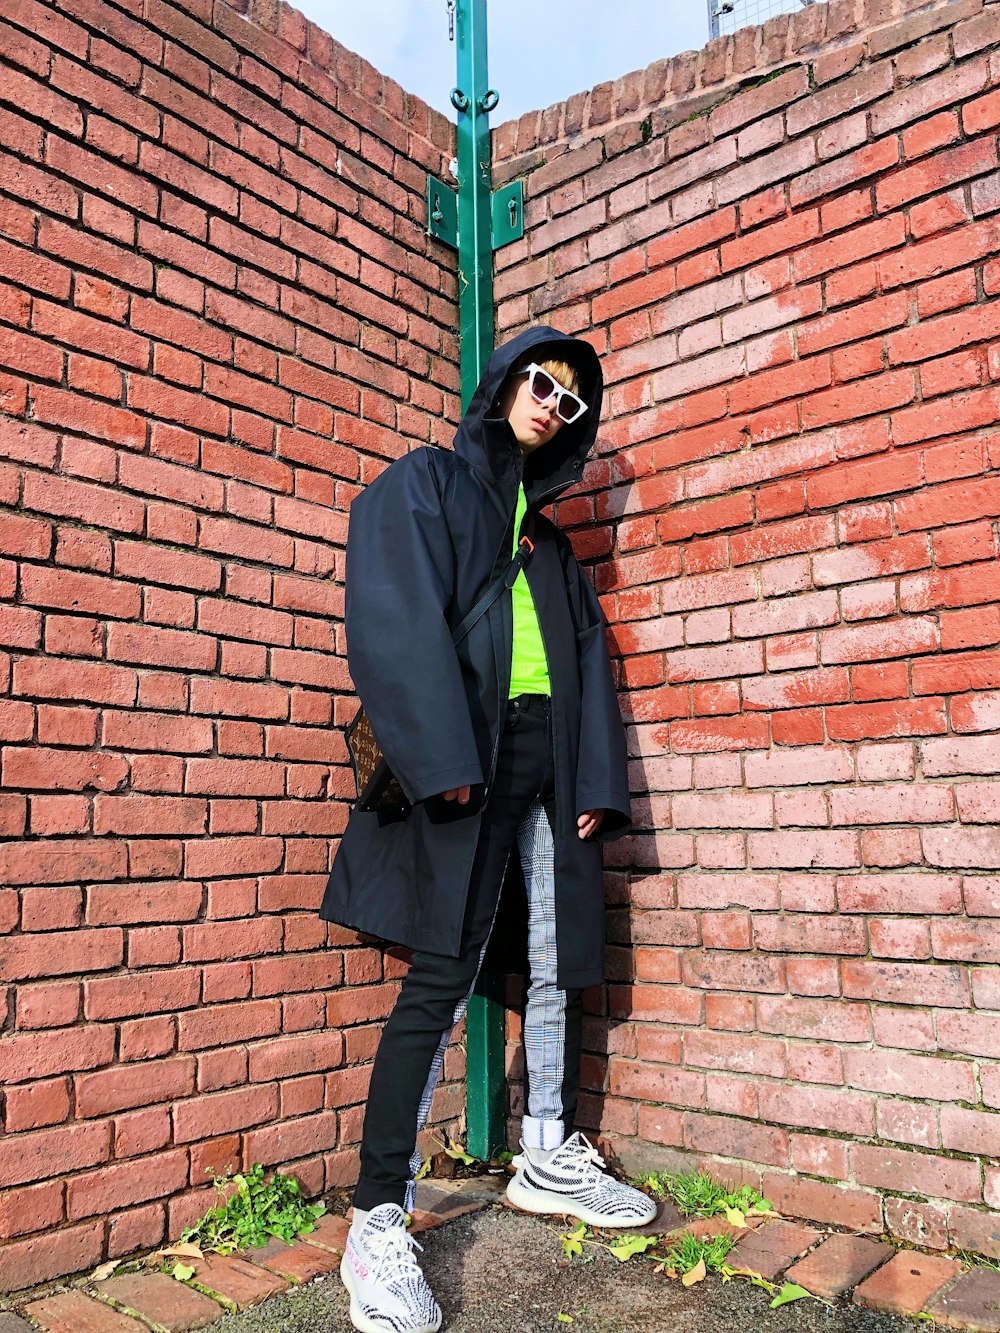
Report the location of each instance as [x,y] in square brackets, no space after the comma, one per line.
[509,740]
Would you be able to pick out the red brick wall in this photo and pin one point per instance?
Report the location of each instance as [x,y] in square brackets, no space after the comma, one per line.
[785,248]
[220,316]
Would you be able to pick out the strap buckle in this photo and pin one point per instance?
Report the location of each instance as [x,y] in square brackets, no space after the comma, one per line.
[526,541]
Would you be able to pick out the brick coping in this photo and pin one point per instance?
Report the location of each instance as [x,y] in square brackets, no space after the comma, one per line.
[830,1264]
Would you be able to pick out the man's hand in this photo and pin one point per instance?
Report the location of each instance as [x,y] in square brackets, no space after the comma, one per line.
[461,794]
[589,822]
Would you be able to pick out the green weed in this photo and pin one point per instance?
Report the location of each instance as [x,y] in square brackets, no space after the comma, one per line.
[696,1194]
[689,1251]
[254,1212]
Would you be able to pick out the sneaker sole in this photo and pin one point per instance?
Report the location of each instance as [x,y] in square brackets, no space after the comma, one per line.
[358,1317]
[540,1201]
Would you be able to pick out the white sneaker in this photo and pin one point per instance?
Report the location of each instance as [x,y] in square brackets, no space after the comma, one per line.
[573,1181]
[389,1293]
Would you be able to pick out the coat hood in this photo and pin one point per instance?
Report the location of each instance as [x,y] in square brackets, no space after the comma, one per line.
[486,439]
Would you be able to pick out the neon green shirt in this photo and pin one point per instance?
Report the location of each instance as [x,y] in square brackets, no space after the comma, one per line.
[529,673]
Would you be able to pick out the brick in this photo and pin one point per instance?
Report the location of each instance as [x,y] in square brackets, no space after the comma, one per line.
[120,1184]
[329,1233]
[126,1086]
[222,1112]
[162,1300]
[237,1280]
[10,1323]
[64,1250]
[838,1264]
[907,1282]
[300,1262]
[771,1248]
[972,1302]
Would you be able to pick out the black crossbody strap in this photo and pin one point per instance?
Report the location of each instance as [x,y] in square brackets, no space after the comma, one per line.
[506,580]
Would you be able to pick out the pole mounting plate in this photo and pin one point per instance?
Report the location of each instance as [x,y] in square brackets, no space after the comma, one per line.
[442,212]
[508,214]
[506,206]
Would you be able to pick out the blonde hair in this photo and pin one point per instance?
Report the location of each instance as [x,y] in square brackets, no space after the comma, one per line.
[564,373]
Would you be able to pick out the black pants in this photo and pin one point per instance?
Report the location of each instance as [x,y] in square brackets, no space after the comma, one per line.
[436,989]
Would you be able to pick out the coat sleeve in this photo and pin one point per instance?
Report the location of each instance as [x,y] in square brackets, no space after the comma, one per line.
[602,769]
[400,579]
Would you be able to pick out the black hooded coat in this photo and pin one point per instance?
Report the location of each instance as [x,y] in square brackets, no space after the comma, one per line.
[426,539]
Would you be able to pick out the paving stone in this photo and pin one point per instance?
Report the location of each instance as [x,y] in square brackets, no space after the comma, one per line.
[907,1282]
[421,1221]
[12,1323]
[838,1264]
[240,1281]
[299,1262]
[329,1233]
[456,1206]
[493,1183]
[701,1227]
[668,1218]
[72,1312]
[9,1323]
[163,1300]
[972,1303]
[771,1249]
[429,1195]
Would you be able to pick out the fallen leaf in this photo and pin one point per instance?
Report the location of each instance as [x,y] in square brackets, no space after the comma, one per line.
[564,1318]
[693,1275]
[187,1250]
[627,1246]
[789,1292]
[105,1271]
[182,1272]
[458,1152]
[735,1217]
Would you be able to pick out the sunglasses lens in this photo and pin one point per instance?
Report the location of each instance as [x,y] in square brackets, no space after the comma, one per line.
[568,409]
[543,386]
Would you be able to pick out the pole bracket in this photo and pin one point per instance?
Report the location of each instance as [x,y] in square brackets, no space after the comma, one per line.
[506,208]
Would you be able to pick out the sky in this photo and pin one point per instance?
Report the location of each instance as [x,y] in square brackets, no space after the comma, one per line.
[540,51]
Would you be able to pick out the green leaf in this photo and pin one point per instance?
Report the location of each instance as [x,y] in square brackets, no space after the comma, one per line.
[458,1152]
[735,1218]
[564,1318]
[626,1246]
[182,1272]
[789,1292]
[572,1243]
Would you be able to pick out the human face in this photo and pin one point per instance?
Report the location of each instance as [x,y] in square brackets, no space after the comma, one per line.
[533,423]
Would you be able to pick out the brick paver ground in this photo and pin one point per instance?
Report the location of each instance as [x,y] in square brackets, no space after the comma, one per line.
[903,1282]
[838,1264]
[973,1302]
[162,1300]
[236,1280]
[72,1312]
[772,1248]
[907,1282]
[296,1263]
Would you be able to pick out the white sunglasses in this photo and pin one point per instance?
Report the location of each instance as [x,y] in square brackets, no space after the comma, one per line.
[542,386]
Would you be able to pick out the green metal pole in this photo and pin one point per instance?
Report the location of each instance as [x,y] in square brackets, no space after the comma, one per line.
[473,100]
